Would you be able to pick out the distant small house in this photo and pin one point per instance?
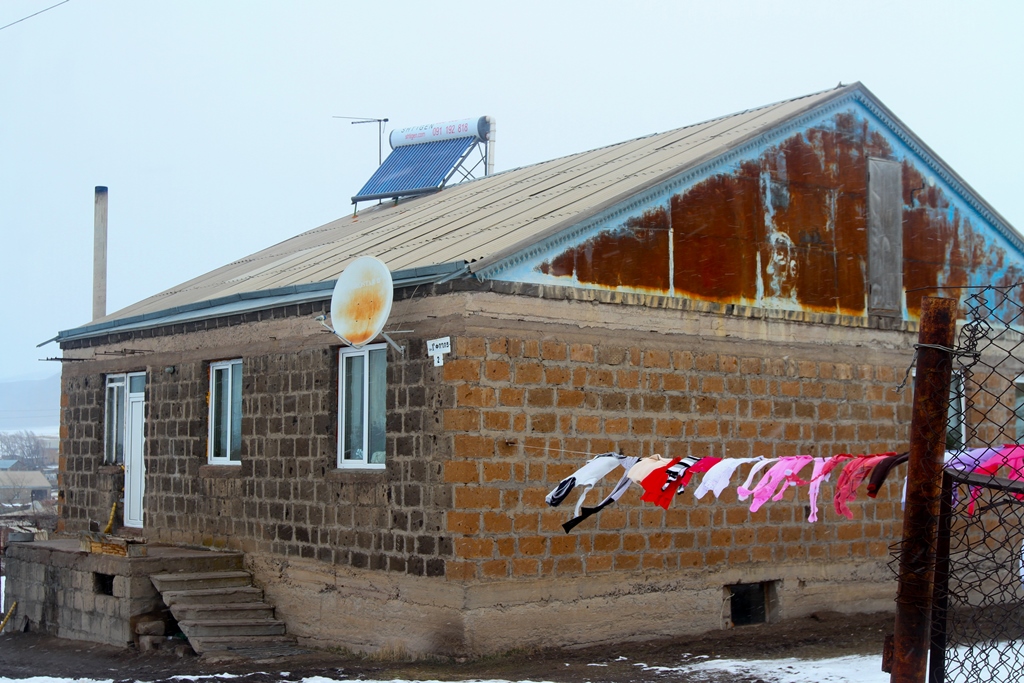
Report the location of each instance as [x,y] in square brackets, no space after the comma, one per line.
[12,466]
[22,488]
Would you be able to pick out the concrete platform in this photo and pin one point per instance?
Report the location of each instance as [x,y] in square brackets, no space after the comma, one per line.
[67,592]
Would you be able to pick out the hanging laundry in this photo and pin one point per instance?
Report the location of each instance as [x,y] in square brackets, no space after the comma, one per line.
[743,491]
[834,462]
[967,461]
[1011,456]
[586,476]
[817,476]
[645,466]
[660,485]
[851,477]
[782,472]
[685,474]
[717,478]
[624,483]
[674,479]
[881,472]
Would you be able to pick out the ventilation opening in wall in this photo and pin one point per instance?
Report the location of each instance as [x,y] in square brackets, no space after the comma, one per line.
[751,603]
[103,584]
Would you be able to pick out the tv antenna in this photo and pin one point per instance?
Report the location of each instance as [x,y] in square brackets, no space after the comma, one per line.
[381,125]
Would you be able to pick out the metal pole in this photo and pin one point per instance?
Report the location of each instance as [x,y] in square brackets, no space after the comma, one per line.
[924,487]
[940,594]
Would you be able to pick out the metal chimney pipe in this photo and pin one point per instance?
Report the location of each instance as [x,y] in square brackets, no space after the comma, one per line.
[99,255]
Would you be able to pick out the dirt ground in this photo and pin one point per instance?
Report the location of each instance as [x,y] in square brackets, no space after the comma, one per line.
[24,655]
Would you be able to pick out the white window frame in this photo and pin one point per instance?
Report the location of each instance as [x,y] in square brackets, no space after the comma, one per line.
[1018,409]
[113,429]
[114,409]
[956,381]
[364,352]
[224,365]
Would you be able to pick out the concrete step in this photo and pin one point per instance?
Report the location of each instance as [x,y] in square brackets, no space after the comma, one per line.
[239,628]
[251,645]
[194,581]
[231,610]
[218,596]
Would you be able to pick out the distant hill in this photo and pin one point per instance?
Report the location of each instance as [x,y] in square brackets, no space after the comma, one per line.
[30,405]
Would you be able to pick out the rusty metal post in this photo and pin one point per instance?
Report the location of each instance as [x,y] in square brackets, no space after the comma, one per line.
[940,592]
[924,487]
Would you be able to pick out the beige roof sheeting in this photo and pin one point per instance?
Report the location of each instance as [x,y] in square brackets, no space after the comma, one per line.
[476,220]
[485,221]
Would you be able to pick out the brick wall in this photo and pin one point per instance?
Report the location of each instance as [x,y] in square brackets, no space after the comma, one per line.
[524,411]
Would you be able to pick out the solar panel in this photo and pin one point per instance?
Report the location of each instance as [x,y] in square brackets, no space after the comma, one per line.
[415,169]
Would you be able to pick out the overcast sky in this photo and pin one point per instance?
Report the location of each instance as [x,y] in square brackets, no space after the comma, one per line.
[211,121]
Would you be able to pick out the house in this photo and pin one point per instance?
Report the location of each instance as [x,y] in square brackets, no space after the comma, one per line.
[741,287]
[22,488]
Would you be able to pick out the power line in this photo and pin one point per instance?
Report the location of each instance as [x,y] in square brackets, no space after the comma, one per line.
[34,15]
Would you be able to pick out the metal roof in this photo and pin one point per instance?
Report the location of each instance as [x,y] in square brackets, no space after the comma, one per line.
[23,480]
[483,221]
[415,169]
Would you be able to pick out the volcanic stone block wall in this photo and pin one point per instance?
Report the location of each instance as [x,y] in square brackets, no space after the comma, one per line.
[474,446]
[525,413]
[287,497]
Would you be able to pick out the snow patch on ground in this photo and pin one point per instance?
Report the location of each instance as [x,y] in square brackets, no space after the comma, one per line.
[851,669]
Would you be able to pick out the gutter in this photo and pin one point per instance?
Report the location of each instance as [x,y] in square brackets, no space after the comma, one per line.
[251,301]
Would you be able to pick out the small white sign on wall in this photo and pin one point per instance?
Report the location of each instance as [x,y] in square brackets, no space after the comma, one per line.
[438,347]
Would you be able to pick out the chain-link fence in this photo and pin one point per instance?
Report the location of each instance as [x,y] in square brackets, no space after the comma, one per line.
[978,602]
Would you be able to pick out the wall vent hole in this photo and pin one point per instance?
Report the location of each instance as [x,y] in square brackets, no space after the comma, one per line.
[103,584]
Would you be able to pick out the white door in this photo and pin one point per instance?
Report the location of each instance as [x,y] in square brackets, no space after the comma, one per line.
[134,464]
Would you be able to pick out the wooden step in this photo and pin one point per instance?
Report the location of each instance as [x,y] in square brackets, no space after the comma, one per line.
[231,627]
[194,581]
[217,596]
[230,610]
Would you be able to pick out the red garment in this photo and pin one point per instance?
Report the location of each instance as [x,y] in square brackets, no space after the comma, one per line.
[653,482]
[831,464]
[852,476]
[661,485]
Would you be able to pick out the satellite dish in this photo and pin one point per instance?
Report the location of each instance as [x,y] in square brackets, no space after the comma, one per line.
[361,302]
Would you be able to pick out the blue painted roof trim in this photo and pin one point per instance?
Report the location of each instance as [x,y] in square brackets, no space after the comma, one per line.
[860,95]
[415,169]
[247,302]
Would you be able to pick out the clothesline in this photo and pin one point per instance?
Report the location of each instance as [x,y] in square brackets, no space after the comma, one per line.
[663,479]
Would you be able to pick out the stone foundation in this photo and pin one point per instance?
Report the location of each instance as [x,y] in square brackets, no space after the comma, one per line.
[66,592]
[367,611]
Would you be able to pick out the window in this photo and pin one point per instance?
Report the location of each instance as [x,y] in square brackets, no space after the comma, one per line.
[113,417]
[1018,408]
[361,406]
[119,388]
[956,425]
[225,445]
